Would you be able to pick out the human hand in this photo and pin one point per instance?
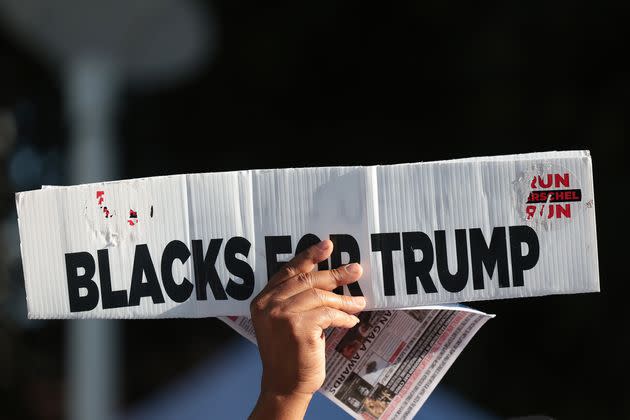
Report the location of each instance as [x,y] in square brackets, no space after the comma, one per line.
[289,317]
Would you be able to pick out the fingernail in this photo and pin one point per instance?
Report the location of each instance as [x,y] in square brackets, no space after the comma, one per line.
[323,245]
[353,268]
[356,319]
[359,301]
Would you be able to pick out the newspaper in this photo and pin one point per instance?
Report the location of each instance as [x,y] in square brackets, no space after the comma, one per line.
[389,363]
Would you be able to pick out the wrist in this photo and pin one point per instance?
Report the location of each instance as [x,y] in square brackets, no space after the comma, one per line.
[281,406]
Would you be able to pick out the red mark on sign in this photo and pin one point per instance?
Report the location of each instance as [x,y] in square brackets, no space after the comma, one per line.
[547,180]
[133,218]
[100,199]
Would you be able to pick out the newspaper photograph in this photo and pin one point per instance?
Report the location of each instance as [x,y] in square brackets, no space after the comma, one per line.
[389,363]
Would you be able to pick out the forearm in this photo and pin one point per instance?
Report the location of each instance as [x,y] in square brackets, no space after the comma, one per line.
[280,407]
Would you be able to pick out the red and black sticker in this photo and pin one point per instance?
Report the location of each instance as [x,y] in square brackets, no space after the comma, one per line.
[553,194]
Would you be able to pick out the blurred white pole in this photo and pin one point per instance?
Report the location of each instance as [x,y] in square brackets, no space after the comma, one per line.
[92,345]
[97,43]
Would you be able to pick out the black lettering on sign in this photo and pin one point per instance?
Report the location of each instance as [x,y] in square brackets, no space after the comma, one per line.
[143,267]
[111,298]
[275,245]
[452,282]
[77,281]
[489,256]
[175,250]
[485,255]
[523,235]
[386,244]
[239,268]
[418,269]
[205,270]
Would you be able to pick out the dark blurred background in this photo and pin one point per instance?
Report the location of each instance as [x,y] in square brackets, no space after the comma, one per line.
[239,85]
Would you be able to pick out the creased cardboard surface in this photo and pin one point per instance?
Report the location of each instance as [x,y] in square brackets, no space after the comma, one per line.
[393,219]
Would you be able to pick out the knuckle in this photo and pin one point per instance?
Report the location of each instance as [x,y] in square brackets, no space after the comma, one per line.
[257,305]
[309,253]
[318,296]
[346,301]
[306,279]
[276,313]
[336,275]
[329,314]
[285,272]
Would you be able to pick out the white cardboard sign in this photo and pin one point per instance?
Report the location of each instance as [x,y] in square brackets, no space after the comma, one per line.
[199,245]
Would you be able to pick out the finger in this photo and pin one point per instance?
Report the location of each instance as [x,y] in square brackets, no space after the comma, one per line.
[325,280]
[325,317]
[304,262]
[314,298]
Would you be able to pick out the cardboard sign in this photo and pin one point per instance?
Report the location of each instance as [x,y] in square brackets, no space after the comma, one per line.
[201,245]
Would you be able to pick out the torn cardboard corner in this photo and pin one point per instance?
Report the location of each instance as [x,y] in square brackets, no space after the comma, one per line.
[200,245]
